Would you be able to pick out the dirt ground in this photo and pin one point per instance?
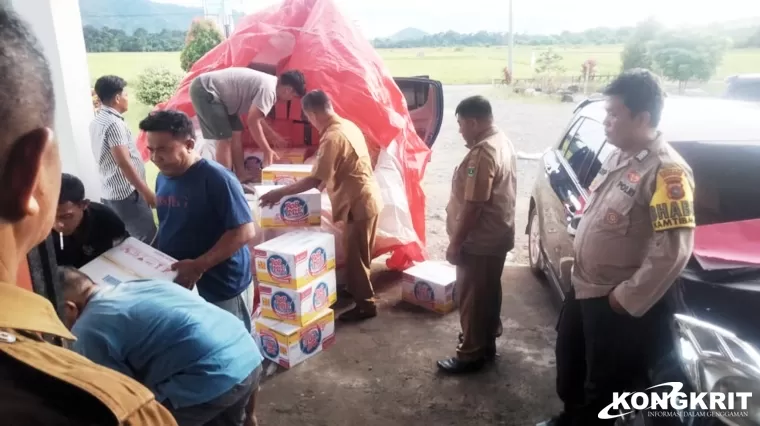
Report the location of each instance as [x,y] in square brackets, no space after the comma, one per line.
[383,371]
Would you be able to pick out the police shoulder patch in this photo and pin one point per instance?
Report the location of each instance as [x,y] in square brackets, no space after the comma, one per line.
[470,171]
[672,204]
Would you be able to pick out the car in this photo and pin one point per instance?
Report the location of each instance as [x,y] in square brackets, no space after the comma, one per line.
[424,100]
[720,140]
[744,87]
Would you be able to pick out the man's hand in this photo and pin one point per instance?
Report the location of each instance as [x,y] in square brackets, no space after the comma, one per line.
[615,304]
[454,253]
[269,157]
[270,198]
[280,142]
[150,198]
[189,271]
[243,175]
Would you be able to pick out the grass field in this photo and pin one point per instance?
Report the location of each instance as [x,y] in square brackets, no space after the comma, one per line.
[449,65]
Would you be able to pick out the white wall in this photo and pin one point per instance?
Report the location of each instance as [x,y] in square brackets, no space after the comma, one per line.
[58,26]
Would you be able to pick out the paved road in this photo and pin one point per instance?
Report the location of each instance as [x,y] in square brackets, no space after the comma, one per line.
[383,372]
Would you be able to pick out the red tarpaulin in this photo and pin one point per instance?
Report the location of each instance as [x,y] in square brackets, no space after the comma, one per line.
[728,245]
[312,36]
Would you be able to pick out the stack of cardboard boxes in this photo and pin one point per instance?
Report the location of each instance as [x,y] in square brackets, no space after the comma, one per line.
[295,271]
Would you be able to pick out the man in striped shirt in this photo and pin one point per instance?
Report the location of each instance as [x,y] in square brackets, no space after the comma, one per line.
[122,172]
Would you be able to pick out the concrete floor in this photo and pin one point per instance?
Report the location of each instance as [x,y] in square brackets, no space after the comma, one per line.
[383,372]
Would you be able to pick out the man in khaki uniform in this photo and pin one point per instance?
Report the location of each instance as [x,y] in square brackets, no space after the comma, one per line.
[634,239]
[40,383]
[480,221]
[344,168]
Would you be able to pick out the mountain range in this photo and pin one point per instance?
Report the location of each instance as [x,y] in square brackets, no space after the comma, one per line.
[129,15]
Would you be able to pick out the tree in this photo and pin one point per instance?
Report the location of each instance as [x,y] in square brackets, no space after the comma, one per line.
[687,56]
[201,38]
[636,50]
[156,85]
[549,62]
[110,40]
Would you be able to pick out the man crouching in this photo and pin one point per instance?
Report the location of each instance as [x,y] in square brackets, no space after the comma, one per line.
[199,360]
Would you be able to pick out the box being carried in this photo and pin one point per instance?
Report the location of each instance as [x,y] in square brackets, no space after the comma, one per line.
[304,209]
[289,345]
[295,259]
[285,174]
[431,286]
[131,260]
[298,307]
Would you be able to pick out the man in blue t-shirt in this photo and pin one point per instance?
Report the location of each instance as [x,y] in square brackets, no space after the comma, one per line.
[204,219]
[199,361]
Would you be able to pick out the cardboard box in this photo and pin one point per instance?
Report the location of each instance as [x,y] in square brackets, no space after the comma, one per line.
[285,174]
[131,260]
[295,259]
[298,307]
[290,345]
[255,158]
[431,286]
[293,156]
[304,209]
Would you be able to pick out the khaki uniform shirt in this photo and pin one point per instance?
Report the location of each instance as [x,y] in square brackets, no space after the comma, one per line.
[344,167]
[486,176]
[41,383]
[637,230]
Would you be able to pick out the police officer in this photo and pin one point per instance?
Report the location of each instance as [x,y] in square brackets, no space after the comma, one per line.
[480,221]
[42,383]
[344,168]
[635,238]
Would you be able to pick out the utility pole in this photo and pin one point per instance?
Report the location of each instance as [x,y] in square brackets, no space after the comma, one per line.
[511,41]
[225,19]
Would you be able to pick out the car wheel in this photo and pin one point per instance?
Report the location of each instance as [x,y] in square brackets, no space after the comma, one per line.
[535,253]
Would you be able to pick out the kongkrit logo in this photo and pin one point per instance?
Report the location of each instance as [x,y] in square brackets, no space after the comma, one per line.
[626,402]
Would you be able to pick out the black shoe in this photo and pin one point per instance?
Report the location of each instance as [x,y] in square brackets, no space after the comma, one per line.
[358,314]
[456,366]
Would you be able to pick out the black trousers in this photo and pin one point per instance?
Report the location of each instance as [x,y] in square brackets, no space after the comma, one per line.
[600,351]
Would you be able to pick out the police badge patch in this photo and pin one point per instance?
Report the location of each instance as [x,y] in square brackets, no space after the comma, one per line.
[471,171]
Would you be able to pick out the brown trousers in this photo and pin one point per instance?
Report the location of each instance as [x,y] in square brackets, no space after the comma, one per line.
[360,240]
[478,288]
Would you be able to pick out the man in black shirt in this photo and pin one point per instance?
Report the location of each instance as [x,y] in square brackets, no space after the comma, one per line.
[83,230]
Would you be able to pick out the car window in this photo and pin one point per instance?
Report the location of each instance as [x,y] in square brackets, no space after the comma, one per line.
[416,94]
[565,142]
[580,150]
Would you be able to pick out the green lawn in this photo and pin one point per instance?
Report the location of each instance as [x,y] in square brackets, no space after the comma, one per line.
[450,65]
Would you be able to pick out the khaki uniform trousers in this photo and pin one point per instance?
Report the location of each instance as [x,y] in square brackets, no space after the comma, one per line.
[478,289]
[360,240]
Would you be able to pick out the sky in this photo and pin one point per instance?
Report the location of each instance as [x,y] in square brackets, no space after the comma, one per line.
[380,18]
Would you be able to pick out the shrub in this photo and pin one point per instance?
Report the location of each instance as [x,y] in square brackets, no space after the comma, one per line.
[156,85]
[201,38]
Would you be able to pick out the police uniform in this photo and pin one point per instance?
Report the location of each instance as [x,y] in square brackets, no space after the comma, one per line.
[486,176]
[634,239]
[41,383]
[344,167]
